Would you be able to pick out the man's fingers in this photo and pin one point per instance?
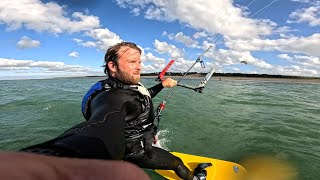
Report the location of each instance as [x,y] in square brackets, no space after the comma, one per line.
[32,166]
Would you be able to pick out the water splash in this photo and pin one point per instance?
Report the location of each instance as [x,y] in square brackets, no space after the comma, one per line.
[161,140]
[49,107]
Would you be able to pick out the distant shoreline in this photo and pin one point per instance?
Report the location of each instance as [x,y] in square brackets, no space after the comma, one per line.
[216,76]
[233,76]
[229,78]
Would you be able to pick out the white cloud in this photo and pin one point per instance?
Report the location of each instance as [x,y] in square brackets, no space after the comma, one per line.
[74,54]
[159,14]
[305,61]
[297,65]
[235,25]
[301,1]
[49,17]
[198,35]
[236,69]
[306,45]
[180,37]
[235,57]
[294,70]
[164,33]
[308,61]
[224,17]
[27,43]
[284,56]
[46,66]
[91,44]
[164,47]
[77,40]
[283,29]
[309,15]
[104,39]
[155,64]
[149,57]
[206,45]
[181,64]
[312,2]
[148,68]
[136,11]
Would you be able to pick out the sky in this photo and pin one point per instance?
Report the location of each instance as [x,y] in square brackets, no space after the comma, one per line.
[60,38]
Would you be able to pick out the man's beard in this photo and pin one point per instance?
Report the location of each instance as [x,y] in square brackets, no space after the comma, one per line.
[127,78]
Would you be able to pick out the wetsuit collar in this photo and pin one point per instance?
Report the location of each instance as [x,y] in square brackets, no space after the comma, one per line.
[116,83]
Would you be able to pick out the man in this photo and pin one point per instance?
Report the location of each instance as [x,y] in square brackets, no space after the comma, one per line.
[120,115]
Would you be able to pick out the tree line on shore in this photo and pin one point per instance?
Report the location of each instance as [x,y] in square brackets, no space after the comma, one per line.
[196,74]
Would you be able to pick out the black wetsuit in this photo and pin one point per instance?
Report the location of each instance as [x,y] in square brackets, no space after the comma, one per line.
[119,126]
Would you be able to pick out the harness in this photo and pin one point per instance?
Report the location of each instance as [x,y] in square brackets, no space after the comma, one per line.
[106,85]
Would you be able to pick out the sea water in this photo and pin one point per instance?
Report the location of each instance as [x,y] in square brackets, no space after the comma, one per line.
[230,120]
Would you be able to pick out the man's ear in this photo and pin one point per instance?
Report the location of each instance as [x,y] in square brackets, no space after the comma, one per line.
[112,67]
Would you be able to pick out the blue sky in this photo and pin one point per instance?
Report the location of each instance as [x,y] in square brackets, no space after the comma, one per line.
[41,39]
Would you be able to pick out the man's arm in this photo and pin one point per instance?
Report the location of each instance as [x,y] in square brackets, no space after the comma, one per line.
[157,88]
[101,137]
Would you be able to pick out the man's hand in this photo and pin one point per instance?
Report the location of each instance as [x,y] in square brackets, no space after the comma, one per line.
[169,83]
[28,166]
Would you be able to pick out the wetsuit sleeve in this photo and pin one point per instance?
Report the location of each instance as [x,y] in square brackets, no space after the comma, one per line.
[101,137]
[155,89]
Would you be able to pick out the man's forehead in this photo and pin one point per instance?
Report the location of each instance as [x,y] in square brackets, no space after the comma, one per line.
[127,50]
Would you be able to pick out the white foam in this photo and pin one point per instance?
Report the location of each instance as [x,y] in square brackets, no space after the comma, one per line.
[48,107]
[162,140]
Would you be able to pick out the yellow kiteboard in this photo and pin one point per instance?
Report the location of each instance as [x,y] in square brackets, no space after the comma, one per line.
[220,170]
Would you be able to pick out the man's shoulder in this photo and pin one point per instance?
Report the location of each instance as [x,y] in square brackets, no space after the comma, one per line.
[118,93]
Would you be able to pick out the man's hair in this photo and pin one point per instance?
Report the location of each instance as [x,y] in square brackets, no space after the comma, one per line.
[112,54]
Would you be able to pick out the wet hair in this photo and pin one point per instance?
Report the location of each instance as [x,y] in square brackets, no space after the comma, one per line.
[112,54]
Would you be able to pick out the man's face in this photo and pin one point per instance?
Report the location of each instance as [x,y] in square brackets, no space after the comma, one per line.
[129,65]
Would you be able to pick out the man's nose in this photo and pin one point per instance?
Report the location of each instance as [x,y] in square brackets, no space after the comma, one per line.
[138,66]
